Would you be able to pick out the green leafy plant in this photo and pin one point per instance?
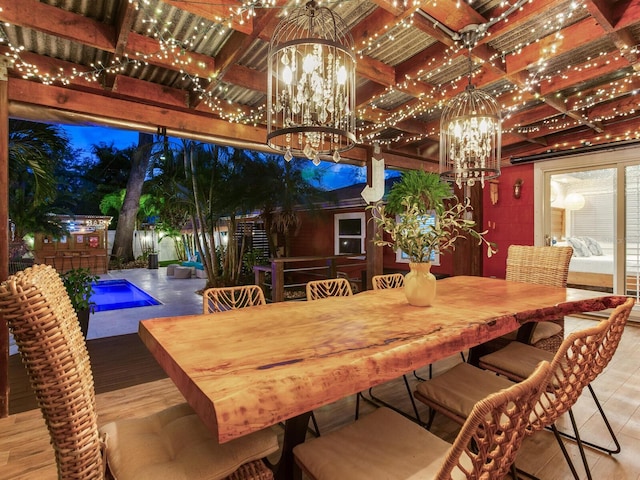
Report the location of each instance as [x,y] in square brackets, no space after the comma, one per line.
[411,202]
[79,284]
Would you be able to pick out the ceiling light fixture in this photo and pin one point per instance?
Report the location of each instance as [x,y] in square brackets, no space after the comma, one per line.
[311,85]
[470,130]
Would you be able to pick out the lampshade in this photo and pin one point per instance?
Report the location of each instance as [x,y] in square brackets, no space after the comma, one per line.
[470,132]
[311,85]
[574,201]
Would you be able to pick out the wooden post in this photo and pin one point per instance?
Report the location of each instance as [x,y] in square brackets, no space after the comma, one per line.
[5,63]
[467,258]
[277,281]
[374,253]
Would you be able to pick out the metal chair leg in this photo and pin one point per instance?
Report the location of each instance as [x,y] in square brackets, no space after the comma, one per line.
[607,424]
[386,404]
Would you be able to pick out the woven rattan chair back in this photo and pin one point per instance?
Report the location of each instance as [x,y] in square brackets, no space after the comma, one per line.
[392,280]
[332,287]
[45,327]
[231,298]
[539,265]
[611,339]
[577,363]
[542,266]
[487,443]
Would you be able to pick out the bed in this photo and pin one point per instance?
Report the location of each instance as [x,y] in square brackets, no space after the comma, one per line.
[596,270]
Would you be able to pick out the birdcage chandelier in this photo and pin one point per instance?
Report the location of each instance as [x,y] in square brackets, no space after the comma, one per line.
[311,85]
[470,132]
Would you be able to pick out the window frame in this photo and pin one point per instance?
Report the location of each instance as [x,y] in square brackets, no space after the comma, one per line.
[336,230]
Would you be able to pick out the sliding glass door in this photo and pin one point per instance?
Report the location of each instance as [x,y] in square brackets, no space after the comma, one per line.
[592,202]
[632,234]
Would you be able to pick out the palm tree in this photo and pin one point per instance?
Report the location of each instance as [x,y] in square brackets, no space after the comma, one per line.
[34,151]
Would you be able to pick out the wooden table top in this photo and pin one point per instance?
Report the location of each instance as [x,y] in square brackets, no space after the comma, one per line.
[244,370]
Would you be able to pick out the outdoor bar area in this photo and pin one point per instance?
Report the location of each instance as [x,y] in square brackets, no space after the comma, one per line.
[86,245]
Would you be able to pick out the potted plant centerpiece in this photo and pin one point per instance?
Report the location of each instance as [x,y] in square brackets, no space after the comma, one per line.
[79,284]
[419,222]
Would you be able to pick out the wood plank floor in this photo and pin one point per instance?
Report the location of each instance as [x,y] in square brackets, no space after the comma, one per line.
[25,453]
[117,362]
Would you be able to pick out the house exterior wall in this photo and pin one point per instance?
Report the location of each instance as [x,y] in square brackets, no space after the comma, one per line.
[509,222]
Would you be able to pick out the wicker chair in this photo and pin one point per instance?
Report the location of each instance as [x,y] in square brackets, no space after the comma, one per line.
[385,444]
[331,287]
[541,266]
[580,358]
[391,280]
[230,298]
[166,445]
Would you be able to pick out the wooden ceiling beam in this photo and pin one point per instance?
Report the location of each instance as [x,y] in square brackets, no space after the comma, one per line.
[184,121]
[627,129]
[123,24]
[147,49]
[150,93]
[59,23]
[570,38]
[597,68]
[608,13]
[217,12]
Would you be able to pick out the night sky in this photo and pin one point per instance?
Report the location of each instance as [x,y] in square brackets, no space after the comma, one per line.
[84,137]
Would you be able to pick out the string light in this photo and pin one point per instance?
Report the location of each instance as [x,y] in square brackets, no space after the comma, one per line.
[430,96]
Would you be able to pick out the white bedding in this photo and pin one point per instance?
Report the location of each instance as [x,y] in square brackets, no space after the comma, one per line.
[593,264]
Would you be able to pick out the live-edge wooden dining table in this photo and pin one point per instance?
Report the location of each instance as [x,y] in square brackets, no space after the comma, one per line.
[248,369]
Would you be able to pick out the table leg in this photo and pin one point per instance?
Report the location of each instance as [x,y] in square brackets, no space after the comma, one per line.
[295,432]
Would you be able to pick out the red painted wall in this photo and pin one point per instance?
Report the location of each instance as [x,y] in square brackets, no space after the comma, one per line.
[510,220]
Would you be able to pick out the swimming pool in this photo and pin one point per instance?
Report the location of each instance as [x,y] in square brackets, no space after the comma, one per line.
[117,294]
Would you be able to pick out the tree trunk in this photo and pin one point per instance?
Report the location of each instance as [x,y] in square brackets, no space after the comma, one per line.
[123,242]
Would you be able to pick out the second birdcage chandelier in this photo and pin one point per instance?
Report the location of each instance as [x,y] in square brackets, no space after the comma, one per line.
[470,132]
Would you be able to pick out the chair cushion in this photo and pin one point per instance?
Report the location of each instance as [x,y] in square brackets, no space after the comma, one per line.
[174,445]
[383,444]
[517,358]
[544,330]
[461,387]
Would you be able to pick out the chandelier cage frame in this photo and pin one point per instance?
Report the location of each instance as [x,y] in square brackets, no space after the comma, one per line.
[470,132]
[311,85]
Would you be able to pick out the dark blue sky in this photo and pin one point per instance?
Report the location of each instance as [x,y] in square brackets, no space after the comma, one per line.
[84,137]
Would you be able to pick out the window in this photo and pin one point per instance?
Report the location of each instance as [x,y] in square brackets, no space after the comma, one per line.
[428,222]
[349,233]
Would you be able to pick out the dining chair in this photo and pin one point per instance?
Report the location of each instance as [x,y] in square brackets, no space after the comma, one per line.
[229,298]
[169,444]
[330,287]
[390,280]
[385,444]
[541,266]
[576,363]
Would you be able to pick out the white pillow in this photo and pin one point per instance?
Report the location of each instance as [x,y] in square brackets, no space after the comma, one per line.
[580,248]
[593,246]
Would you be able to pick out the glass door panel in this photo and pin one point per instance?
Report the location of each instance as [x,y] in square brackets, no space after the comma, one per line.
[582,215]
[632,231]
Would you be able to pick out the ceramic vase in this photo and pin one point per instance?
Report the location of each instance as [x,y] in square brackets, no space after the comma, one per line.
[420,285]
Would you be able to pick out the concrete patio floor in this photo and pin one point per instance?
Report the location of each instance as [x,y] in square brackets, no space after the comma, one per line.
[177,296]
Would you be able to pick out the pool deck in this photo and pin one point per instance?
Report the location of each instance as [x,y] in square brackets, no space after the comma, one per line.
[178,297]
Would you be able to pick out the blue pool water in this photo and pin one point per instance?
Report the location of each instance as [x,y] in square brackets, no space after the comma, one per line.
[117,294]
